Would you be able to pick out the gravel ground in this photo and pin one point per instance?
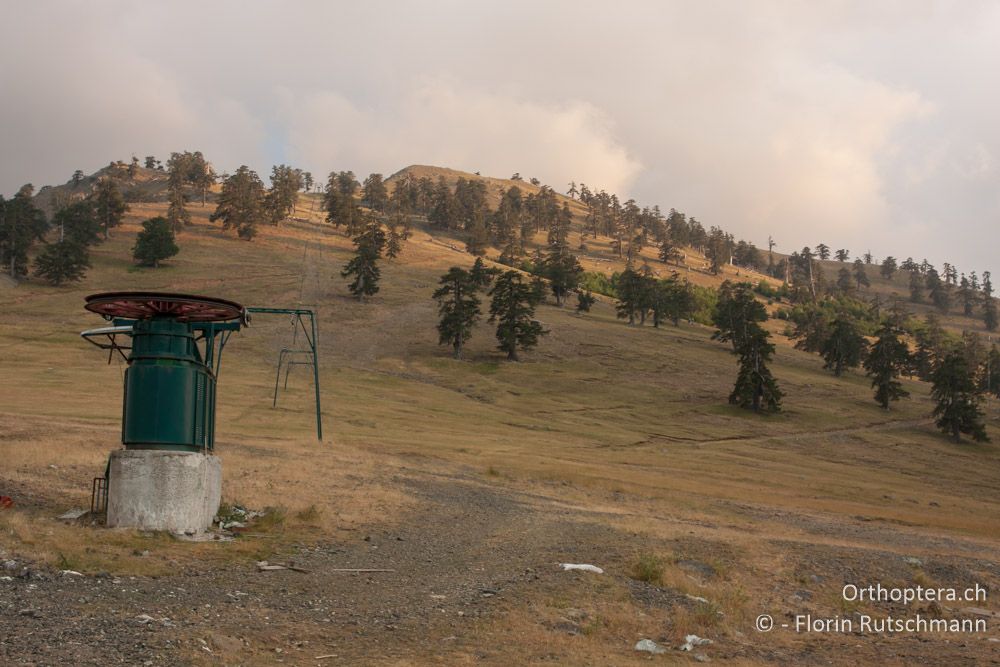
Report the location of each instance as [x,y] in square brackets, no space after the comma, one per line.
[469,554]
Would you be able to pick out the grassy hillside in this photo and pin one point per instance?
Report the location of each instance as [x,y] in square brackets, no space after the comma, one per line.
[627,425]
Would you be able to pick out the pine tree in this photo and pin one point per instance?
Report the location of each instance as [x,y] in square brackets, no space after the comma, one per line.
[888,267]
[364,265]
[736,312]
[109,203]
[916,287]
[888,358]
[989,304]
[177,215]
[22,224]
[477,237]
[967,296]
[939,291]
[482,275]
[845,347]
[563,272]
[61,262]
[394,239]
[860,274]
[957,410]
[670,252]
[77,223]
[670,299]
[281,199]
[374,194]
[458,307]
[844,281]
[339,202]
[990,373]
[811,329]
[755,386]
[823,251]
[512,308]
[241,203]
[843,255]
[631,289]
[585,301]
[930,340]
[154,243]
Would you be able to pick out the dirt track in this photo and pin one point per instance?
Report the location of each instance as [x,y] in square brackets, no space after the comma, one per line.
[470,556]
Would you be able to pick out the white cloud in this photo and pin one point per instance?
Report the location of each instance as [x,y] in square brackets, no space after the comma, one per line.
[848,123]
[437,122]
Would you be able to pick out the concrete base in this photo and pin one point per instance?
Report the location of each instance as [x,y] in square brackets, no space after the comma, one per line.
[163,490]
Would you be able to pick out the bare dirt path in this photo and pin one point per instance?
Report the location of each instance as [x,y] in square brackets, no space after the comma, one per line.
[452,560]
[469,555]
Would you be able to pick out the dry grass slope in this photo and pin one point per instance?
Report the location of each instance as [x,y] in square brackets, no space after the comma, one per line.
[627,426]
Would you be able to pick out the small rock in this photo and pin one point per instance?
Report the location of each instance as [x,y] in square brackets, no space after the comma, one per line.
[701,657]
[10,565]
[30,613]
[649,646]
[690,641]
[915,562]
[584,567]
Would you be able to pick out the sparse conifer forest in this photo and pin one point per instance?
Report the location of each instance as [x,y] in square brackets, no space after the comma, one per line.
[502,308]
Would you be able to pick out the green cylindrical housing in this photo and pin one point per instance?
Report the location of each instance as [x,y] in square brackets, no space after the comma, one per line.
[169,398]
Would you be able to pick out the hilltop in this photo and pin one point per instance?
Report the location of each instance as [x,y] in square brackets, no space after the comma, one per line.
[471,480]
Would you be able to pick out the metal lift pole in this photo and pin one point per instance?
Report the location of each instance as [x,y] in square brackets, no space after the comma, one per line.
[313,349]
[319,412]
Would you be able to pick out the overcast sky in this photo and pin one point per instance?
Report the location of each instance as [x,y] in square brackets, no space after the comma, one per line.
[861,125]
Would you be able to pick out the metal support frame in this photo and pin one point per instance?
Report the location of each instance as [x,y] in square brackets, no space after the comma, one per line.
[286,357]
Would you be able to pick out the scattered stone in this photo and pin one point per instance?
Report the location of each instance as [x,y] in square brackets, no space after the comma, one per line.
[690,641]
[72,515]
[264,566]
[649,646]
[10,565]
[583,567]
[701,657]
[915,562]
[696,598]
[30,613]
[71,573]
